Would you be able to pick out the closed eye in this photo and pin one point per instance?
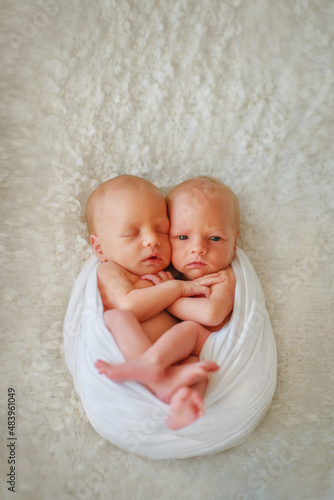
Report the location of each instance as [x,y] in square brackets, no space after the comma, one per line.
[130,232]
[162,229]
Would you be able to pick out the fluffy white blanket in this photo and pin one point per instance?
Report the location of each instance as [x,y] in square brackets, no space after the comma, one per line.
[129,416]
[239,89]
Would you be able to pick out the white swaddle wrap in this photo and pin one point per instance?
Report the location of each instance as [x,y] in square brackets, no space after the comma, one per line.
[131,417]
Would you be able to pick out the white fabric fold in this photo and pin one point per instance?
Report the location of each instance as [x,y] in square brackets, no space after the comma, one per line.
[131,417]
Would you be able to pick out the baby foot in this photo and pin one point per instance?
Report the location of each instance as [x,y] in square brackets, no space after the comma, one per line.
[186,406]
[182,375]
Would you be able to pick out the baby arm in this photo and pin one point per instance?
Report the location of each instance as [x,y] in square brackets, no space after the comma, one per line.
[117,291]
[212,310]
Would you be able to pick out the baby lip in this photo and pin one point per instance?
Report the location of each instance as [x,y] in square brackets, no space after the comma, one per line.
[153,256]
[196,263]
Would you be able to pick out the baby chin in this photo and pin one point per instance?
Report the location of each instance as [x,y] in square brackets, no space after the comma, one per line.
[194,272]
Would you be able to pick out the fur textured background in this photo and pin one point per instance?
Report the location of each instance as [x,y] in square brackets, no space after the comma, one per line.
[242,90]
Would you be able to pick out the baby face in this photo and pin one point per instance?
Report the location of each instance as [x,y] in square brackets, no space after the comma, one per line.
[133,231]
[203,238]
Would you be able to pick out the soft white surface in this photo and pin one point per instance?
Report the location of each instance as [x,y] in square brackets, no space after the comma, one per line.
[239,89]
[128,415]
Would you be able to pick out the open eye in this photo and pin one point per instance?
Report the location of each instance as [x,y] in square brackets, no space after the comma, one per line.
[182,237]
[215,238]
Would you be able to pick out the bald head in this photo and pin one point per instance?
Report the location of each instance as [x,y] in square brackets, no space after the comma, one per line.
[204,188]
[109,193]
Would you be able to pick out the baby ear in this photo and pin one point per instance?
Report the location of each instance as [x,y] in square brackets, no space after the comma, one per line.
[94,239]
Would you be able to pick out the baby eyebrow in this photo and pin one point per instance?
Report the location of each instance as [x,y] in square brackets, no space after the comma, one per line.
[179,230]
[216,232]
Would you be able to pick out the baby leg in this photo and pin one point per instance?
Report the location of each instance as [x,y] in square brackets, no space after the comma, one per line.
[150,368]
[183,375]
[185,407]
[177,344]
[127,331]
[133,342]
[187,403]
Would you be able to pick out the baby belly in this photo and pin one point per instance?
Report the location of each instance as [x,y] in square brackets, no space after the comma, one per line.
[159,324]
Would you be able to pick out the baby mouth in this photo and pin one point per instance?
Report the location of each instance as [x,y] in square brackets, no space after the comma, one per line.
[153,258]
[196,263]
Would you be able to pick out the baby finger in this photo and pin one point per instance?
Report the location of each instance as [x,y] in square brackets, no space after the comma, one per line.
[163,275]
[205,291]
[152,277]
[211,279]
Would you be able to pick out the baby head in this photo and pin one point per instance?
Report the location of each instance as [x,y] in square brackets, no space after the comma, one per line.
[128,224]
[204,226]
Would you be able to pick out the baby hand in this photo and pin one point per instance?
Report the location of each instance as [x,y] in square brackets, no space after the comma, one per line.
[211,279]
[160,277]
[191,288]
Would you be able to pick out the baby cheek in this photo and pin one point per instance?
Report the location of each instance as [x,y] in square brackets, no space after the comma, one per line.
[167,248]
[177,256]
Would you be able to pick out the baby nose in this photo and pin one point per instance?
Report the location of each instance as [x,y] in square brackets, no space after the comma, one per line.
[151,239]
[198,246]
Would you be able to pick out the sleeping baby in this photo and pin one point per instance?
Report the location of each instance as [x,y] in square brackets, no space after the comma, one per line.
[129,231]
